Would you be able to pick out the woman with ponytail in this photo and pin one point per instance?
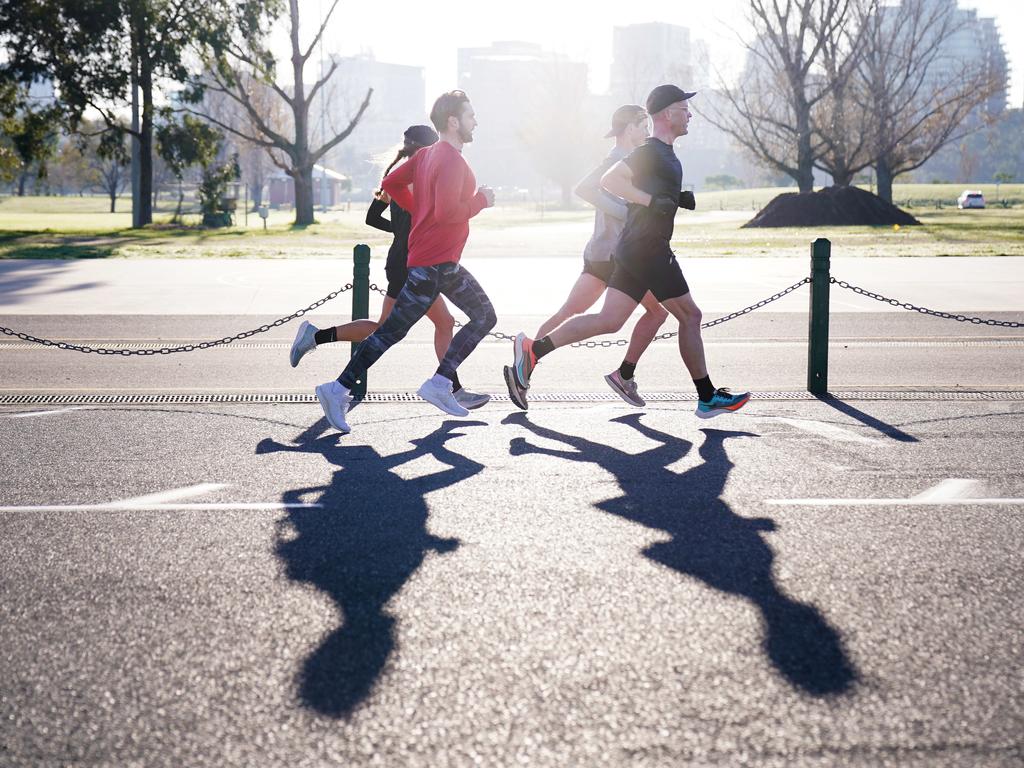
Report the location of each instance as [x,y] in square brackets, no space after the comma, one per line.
[309,337]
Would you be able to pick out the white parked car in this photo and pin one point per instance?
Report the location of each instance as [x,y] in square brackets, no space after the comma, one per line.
[970,199]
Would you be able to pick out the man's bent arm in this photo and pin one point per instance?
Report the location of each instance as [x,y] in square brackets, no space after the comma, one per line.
[589,189]
[619,182]
[397,185]
[448,205]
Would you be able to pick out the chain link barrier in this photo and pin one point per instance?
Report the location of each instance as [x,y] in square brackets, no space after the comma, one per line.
[709,324]
[622,342]
[504,336]
[924,310]
[184,347]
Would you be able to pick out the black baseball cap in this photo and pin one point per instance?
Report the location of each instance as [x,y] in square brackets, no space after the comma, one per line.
[423,135]
[664,95]
[623,116]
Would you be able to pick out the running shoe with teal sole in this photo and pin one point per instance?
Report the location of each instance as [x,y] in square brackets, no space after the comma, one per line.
[723,401]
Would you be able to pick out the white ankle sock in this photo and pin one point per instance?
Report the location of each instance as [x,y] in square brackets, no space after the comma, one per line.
[438,380]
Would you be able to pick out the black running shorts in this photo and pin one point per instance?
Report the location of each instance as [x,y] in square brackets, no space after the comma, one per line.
[602,270]
[642,269]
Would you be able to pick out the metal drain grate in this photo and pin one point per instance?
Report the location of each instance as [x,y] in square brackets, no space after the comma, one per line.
[295,398]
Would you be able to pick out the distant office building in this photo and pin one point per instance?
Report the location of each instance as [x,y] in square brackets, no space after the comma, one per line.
[646,55]
[398,99]
[971,44]
[524,97]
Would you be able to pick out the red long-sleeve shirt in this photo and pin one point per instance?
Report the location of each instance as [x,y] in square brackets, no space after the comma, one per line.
[442,200]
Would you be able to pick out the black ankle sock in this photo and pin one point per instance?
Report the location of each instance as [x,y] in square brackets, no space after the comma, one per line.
[326,336]
[626,370]
[542,346]
[705,389]
[456,384]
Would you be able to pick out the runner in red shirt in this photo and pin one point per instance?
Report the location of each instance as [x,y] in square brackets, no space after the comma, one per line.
[438,188]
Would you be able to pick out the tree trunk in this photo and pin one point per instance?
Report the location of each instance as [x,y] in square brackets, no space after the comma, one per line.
[885,176]
[804,157]
[256,192]
[22,178]
[181,197]
[302,167]
[113,198]
[841,177]
[303,196]
[146,141]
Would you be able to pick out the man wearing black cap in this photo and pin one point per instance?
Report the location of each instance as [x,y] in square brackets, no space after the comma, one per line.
[649,180]
[629,129]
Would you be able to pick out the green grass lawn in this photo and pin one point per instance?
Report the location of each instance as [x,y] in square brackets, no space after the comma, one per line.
[72,227]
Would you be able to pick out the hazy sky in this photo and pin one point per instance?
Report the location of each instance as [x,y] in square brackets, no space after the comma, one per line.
[419,33]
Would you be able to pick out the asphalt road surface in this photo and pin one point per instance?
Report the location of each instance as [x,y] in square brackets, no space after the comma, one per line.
[805,583]
[802,583]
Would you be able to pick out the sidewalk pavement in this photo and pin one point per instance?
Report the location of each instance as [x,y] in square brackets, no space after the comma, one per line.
[532,286]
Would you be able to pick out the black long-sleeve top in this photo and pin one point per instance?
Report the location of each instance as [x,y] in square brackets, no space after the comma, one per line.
[399,224]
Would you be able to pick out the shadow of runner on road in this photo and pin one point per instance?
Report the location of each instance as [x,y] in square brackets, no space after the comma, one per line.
[361,548]
[709,541]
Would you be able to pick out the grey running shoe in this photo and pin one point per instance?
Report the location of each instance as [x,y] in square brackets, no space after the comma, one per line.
[515,392]
[334,399]
[625,388]
[441,396]
[471,400]
[304,342]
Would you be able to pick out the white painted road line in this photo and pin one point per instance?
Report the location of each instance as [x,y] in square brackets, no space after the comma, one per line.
[30,414]
[825,429]
[212,507]
[949,492]
[174,494]
[162,501]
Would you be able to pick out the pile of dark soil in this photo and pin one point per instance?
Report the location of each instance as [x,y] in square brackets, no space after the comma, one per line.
[831,206]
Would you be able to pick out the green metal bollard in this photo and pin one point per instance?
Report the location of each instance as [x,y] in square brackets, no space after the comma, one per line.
[817,334]
[360,300]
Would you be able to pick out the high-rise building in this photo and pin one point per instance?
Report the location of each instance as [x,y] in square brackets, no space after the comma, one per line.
[970,45]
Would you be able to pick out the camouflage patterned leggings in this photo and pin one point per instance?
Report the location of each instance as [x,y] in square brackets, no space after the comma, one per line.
[421,289]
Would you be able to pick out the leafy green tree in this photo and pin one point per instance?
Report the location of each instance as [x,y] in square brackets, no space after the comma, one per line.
[95,51]
[184,144]
[30,132]
[213,201]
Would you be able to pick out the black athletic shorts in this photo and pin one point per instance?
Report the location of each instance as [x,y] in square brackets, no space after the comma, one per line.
[602,270]
[396,274]
[639,269]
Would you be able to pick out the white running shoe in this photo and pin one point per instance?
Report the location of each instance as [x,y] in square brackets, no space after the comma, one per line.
[440,395]
[471,400]
[334,399]
[305,341]
[625,388]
